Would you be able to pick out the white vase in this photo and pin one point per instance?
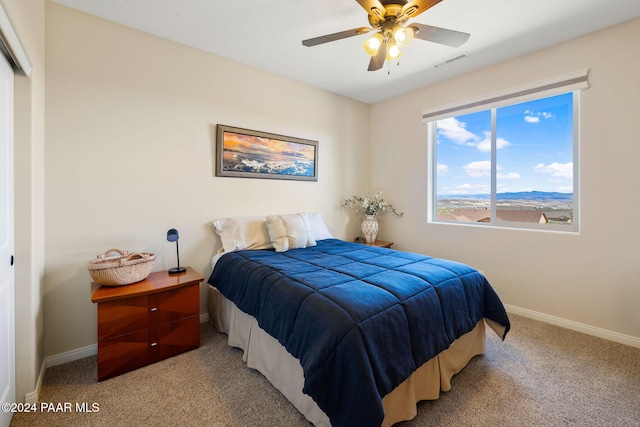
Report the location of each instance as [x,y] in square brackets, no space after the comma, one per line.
[370,228]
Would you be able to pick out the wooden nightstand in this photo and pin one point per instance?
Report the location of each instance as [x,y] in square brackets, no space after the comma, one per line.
[147,321]
[379,243]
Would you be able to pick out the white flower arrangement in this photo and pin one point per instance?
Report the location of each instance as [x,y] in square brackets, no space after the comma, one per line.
[370,205]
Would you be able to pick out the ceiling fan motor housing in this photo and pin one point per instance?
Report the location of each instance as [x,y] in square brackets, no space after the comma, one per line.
[393,13]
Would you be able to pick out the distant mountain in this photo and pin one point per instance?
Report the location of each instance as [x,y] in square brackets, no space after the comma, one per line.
[540,196]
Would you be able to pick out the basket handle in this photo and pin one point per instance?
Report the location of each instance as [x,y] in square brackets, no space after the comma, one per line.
[104,255]
[134,255]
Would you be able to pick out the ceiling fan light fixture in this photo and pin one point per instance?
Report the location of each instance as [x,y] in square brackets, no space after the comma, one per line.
[372,44]
[393,52]
[403,36]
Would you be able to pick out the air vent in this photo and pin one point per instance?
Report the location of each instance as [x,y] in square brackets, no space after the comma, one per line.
[450,60]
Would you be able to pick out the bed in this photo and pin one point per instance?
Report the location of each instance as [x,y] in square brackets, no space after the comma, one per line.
[350,334]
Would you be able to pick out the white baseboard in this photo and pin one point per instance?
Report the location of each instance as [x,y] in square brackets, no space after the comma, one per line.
[575,326]
[70,356]
[34,396]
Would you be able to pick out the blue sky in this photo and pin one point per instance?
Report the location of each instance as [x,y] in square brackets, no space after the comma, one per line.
[534,149]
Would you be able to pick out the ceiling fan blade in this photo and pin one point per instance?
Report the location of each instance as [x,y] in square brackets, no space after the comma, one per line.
[439,35]
[378,61]
[414,8]
[336,36]
[373,7]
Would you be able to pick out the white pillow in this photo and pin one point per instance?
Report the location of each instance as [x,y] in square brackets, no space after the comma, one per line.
[318,228]
[289,232]
[242,233]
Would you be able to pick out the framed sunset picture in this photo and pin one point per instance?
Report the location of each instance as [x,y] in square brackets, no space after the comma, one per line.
[251,154]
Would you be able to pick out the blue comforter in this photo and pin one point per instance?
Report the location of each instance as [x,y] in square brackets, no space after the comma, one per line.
[359,318]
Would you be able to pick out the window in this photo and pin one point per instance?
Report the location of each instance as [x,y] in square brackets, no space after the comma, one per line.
[509,161]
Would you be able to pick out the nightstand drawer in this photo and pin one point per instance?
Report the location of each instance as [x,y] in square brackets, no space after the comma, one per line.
[122,354]
[127,352]
[122,316]
[130,314]
[173,305]
[174,338]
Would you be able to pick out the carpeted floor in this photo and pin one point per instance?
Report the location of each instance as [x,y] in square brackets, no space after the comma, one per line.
[542,375]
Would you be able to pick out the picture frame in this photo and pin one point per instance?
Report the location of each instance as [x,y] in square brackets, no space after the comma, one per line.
[246,153]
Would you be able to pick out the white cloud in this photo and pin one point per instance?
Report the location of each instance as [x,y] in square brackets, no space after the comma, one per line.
[483,169]
[559,170]
[512,175]
[478,169]
[534,116]
[456,131]
[501,143]
[470,189]
[442,169]
[485,144]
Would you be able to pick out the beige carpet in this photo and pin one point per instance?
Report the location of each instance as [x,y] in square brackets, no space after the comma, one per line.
[541,375]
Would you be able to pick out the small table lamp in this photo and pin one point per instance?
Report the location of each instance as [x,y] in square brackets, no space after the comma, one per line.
[173,236]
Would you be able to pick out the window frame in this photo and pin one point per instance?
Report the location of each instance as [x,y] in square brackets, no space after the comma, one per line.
[574,82]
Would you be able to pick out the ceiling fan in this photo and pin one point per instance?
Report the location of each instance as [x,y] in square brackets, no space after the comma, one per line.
[388,19]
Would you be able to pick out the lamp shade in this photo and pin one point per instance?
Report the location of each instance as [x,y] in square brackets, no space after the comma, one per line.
[393,51]
[403,36]
[372,44]
[172,235]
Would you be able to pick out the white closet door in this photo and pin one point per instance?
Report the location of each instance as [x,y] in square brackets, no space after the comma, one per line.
[7,300]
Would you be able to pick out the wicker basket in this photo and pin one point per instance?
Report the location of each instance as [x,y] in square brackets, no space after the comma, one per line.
[122,269]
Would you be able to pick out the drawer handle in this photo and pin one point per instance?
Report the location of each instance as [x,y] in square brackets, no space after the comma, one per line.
[153,344]
[154,309]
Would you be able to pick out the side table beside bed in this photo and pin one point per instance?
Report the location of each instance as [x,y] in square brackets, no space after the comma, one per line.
[147,321]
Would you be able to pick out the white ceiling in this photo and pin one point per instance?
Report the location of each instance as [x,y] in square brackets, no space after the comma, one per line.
[267,34]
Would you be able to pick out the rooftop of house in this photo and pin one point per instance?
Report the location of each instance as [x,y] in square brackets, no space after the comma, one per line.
[484,215]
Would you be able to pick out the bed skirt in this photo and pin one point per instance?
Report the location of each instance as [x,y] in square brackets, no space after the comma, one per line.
[265,354]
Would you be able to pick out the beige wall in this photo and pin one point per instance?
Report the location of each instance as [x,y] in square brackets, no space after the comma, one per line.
[591,278]
[27,19]
[130,149]
[130,146]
